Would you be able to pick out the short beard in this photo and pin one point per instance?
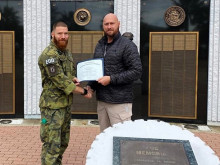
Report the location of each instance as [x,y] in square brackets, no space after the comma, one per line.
[60,44]
[112,35]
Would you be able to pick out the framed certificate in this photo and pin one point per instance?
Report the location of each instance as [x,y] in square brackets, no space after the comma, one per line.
[90,70]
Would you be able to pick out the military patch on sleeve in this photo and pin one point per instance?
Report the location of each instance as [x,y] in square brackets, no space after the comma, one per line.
[50,61]
[53,70]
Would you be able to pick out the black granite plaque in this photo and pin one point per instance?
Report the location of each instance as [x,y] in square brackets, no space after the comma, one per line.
[144,151]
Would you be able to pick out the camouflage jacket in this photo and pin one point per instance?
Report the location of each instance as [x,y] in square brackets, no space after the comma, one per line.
[57,72]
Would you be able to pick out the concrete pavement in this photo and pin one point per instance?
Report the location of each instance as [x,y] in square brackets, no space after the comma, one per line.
[20,142]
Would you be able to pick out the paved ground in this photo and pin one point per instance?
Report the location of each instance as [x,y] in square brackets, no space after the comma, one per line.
[20,143]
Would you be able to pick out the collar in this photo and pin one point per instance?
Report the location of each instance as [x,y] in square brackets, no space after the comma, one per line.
[115,38]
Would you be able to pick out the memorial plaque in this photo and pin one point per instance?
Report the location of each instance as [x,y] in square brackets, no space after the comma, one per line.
[173,75]
[7,72]
[143,151]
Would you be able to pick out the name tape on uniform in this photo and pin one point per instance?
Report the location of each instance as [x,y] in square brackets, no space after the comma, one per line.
[50,61]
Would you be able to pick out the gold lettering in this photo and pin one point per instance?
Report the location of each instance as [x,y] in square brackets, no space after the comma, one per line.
[138,152]
[150,153]
[169,161]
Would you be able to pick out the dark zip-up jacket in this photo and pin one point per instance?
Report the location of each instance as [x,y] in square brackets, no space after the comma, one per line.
[122,63]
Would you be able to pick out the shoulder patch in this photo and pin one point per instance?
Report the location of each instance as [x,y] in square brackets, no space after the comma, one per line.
[50,61]
[53,70]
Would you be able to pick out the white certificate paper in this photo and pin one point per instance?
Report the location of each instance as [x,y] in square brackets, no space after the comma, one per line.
[90,70]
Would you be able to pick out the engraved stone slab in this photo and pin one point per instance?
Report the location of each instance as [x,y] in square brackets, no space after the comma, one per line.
[143,151]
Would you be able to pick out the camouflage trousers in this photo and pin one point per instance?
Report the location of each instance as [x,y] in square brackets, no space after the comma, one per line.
[54,134]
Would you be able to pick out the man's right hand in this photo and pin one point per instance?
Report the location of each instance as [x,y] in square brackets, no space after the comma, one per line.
[81,91]
[88,95]
[89,89]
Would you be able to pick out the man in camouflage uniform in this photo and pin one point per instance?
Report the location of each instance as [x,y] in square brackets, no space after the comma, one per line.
[58,82]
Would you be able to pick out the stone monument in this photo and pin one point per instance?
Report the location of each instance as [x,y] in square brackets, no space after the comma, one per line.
[102,148]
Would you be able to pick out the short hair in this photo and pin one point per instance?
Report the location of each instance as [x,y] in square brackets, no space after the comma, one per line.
[60,23]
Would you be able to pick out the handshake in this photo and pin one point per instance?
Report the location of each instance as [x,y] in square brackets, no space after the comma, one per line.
[86,91]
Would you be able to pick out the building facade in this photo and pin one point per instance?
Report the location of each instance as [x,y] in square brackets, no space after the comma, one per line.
[189,48]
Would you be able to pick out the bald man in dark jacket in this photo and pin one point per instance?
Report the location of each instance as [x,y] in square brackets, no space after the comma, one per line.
[122,66]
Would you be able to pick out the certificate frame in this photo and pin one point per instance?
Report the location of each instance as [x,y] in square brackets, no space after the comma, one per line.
[90,70]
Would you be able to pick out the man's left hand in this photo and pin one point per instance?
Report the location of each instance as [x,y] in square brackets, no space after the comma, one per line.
[76,81]
[105,80]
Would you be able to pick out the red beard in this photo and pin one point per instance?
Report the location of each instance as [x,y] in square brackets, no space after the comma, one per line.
[62,44]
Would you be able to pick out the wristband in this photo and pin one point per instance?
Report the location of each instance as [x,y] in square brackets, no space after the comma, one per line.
[85,92]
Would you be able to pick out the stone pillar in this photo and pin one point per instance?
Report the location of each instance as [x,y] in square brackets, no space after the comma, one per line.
[36,38]
[214,65]
[128,12]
